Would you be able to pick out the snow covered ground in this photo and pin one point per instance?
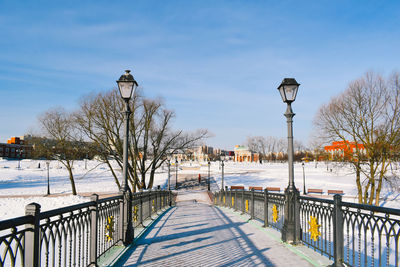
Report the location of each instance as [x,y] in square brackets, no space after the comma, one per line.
[19,187]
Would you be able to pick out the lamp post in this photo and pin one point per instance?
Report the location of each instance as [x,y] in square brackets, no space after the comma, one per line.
[176,173]
[291,226]
[222,157]
[169,170]
[19,158]
[208,184]
[48,176]
[126,86]
[304,180]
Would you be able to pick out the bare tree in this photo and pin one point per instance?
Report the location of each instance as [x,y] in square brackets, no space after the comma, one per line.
[100,118]
[258,144]
[365,114]
[64,142]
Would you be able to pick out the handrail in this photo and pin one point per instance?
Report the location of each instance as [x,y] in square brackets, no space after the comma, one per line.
[9,223]
[52,213]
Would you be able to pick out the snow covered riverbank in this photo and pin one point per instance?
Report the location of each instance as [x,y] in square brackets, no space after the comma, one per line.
[19,187]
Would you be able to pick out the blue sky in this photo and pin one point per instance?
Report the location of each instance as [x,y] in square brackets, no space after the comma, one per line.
[216,63]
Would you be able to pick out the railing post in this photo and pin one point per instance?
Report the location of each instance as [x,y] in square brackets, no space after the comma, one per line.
[121,218]
[226,196]
[252,204]
[93,230]
[32,241]
[243,208]
[230,198]
[235,204]
[265,207]
[156,201]
[338,249]
[150,205]
[159,204]
[141,207]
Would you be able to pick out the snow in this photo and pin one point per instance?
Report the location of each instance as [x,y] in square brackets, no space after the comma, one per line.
[19,187]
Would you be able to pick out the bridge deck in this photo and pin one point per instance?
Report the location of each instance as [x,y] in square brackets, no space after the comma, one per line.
[197,234]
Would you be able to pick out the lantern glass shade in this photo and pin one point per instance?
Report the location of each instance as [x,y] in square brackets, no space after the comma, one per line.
[288,90]
[126,85]
[169,157]
[222,157]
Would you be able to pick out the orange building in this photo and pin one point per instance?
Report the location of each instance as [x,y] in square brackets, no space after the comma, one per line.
[243,154]
[344,149]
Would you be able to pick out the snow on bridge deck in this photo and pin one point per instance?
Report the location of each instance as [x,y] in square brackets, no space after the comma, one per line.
[198,234]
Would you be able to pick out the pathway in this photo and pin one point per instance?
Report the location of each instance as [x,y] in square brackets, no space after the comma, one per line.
[197,234]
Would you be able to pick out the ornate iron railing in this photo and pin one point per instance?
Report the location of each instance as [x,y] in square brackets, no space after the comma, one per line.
[348,233]
[76,235]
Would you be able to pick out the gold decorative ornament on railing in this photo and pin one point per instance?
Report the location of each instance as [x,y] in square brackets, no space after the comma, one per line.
[315,233]
[110,228]
[233,201]
[275,213]
[135,213]
[247,205]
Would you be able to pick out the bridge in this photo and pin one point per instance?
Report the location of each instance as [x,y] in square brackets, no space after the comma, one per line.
[192,226]
[196,233]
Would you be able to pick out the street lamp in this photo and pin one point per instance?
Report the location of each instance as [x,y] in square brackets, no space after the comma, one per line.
[176,173]
[169,157]
[304,180]
[19,159]
[222,157]
[126,86]
[48,176]
[291,227]
[209,165]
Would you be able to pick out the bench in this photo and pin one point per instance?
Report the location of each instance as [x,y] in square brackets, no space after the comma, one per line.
[318,191]
[256,188]
[334,192]
[275,189]
[237,187]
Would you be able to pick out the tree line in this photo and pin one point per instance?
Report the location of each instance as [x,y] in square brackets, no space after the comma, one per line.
[275,149]
[96,129]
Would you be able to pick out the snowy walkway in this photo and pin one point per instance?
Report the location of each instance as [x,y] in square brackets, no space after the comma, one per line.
[197,234]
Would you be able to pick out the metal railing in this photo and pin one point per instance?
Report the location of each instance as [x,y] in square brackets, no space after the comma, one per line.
[348,233]
[76,235]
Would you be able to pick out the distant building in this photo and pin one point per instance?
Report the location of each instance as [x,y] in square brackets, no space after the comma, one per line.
[243,154]
[202,153]
[344,149]
[15,149]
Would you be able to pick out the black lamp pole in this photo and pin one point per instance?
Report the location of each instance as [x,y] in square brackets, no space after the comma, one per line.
[48,177]
[176,173]
[209,186]
[169,174]
[304,180]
